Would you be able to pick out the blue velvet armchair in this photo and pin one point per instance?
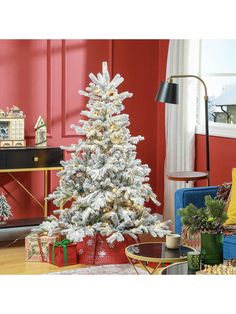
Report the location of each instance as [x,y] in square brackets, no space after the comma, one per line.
[196,196]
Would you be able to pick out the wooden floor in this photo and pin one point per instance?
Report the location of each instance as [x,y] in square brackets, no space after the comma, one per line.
[12,262]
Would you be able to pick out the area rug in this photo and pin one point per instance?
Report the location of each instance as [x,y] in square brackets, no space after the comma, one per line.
[122,269]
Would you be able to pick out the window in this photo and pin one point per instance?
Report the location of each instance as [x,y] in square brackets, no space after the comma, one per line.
[218,70]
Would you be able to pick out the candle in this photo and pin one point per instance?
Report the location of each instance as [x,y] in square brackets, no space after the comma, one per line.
[194,260]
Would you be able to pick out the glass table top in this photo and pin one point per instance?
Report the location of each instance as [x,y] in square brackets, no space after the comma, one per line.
[152,251]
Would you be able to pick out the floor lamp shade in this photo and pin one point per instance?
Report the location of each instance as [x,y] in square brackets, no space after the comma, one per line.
[168,93]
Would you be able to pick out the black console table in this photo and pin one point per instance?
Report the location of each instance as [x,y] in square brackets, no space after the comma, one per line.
[24,159]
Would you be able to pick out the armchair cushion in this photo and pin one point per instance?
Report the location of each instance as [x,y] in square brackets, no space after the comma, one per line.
[232,203]
[229,247]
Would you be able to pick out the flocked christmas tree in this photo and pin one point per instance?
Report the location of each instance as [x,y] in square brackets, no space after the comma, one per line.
[5,209]
[103,187]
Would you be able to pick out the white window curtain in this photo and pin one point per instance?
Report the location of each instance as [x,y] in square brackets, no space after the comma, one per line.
[183,58]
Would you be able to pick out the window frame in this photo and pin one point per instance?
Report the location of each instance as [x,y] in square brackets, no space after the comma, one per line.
[215,129]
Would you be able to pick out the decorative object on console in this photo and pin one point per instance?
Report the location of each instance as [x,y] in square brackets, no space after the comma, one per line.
[209,221]
[40,133]
[103,186]
[12,128]
[5,210]
[168,93]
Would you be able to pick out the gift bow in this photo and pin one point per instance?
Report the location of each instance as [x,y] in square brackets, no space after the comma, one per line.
[63,244]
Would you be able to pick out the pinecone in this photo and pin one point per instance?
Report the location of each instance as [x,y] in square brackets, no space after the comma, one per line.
[223,191]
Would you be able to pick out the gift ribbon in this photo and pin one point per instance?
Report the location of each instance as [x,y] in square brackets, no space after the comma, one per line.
[41,250]
[44,233]
[63,244]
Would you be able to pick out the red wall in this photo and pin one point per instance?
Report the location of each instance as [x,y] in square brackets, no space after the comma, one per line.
[42,77]
[222,158]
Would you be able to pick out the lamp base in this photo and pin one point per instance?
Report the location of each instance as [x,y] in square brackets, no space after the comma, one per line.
[187,176]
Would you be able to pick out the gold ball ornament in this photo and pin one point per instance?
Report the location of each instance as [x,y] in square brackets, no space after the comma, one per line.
[114,190]
[116,139]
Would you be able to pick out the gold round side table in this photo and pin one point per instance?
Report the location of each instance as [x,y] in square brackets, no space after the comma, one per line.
[156,252]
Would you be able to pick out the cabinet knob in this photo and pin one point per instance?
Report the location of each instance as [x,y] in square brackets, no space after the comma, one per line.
[36,159]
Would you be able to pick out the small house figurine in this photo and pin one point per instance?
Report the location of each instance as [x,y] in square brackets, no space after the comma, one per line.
[40,133]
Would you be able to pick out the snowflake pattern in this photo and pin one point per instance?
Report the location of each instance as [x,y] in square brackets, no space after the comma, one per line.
[90,242]
[81,251]
[102,254]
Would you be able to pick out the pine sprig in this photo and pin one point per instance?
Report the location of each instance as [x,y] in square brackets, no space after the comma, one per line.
[208,219]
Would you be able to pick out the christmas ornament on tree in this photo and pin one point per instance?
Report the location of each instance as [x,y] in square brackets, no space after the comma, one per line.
[104,184]
[5,210]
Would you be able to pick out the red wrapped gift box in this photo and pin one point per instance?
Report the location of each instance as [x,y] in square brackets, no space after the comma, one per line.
[63,253]
[97,251]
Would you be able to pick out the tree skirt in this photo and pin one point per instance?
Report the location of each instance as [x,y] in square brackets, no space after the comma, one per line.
[122,269]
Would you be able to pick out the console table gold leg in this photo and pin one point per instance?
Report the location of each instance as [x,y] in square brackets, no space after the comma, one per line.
[46,191]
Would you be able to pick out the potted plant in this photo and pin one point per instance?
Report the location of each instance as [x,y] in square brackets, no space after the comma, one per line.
[209,221]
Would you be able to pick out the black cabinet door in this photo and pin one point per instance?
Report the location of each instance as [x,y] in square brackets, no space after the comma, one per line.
[3,160]
[33,158]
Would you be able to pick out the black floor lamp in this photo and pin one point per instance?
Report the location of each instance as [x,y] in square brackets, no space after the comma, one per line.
[168,93]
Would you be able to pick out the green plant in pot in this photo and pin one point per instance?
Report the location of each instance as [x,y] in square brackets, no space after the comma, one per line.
[209,221]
